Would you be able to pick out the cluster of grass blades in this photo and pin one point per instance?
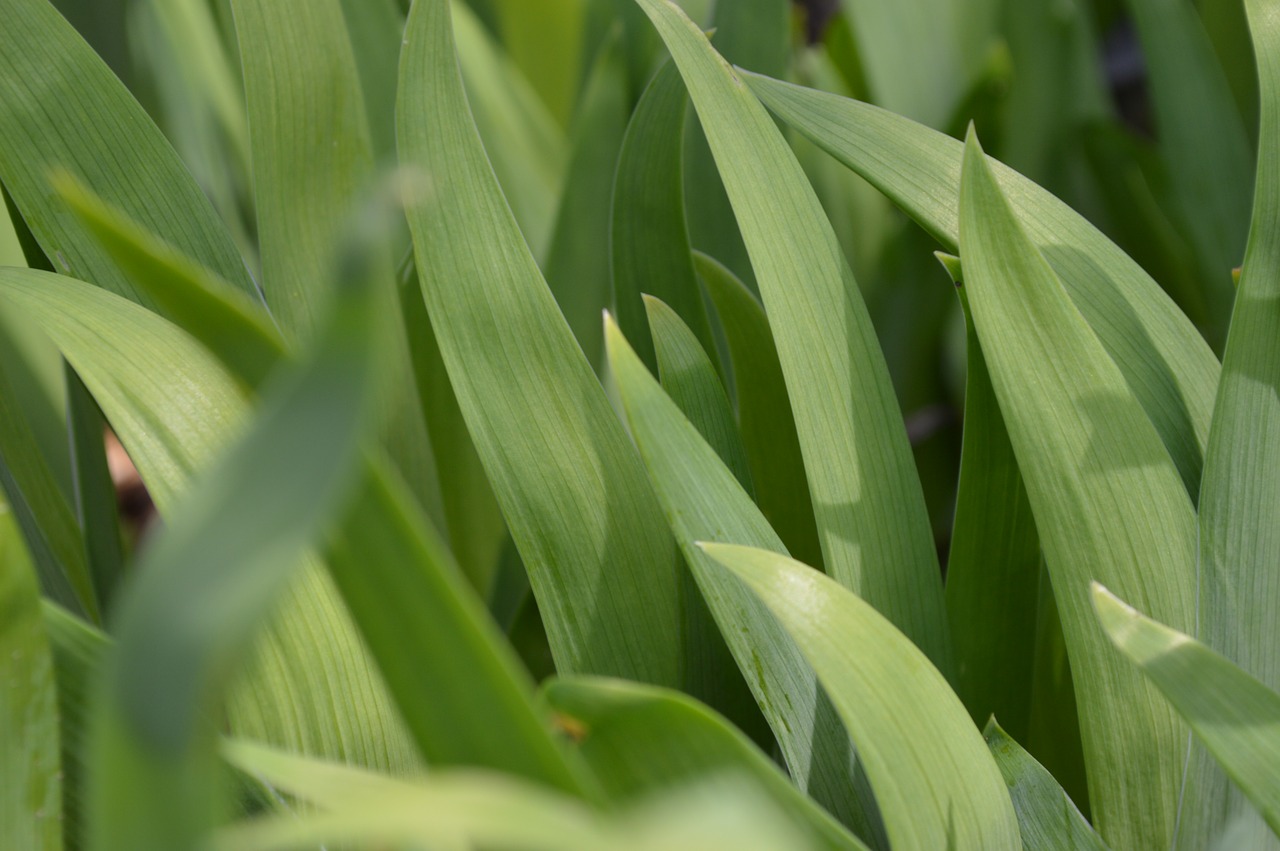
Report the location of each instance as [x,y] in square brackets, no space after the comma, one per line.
[813,542]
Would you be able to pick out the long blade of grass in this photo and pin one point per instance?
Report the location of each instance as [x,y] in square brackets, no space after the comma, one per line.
[1240,496]
[689,378]
[376,28]
[643,741]
[31,795]
[913,735]
[1164,360]
[67,111]
[1232,713]
[1202,140]
[704,501]
[572,488]
[753,34]
[173,408]
[1107,499]
[526,147]
[993,570]
[764,412]
[1047,818]
[467,810]
[649,237]
[209,579]
[95,493]
[459,686]
[577,265]
[871,515]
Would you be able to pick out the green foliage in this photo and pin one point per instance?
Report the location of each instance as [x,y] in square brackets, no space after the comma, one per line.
[768,555]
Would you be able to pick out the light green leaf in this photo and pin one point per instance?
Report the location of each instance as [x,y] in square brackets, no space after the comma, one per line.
[703,501]
[1202,140]
[459,686]
[1046,816]
[544,40]
[472,809]
[649,239]
[1233,714]
[31,794]
[1165,362]
[921,57]
[643,741]
[174,408]
[1107,499]
[577,266]
[871,515]
[209,578]
[526,147]
[993,569]
[1240,497]
[68,112]
[764,412]
[572,488]
[914,737]
[690,379]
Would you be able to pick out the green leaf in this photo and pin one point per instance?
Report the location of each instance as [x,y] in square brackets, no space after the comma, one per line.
[921,57]
[690,379]
[577,266]
[1107,499]
[459,686]
[871,515]
[649,239]
[643,741]
[754,34]
[1240,497]
[570,484]
[467,810]
[764,412]
[1046,816]
[1203,142]
[72,114]
[1164,360]
[376,28]
[95,493]
[1232,713]
[993,569]
[173,408]
[914,737]
[703,501]
[526,147]
[208,580]
[545,41]
[31,795]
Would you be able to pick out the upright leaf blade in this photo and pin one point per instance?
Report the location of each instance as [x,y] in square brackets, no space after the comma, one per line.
[1106,496]
[31,795]
[574,493]
[871,516]
[1165,361]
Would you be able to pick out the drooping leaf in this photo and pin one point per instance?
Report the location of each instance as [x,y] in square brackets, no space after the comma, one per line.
[69,112]
[689,378]
[764,412]
[1046,816]
[1164,360]
[30,763]
[1232,713]
[1107,500]
[643,741]
[914,737]
[871,516]
[573,490]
